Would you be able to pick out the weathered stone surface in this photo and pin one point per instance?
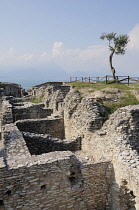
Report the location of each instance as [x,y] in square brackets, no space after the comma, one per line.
[39,144]
[120,145]
[54,98]
[40,90]
[106,175]
[54,127]
[11,89]
[82,115]
[54,181]
[28,110]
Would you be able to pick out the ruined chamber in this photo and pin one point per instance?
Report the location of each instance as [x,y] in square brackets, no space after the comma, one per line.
[60,154]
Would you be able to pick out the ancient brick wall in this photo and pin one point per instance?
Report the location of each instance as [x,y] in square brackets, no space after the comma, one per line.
[54,127]
[6,111]
[1,119]
[54,181]
[117,141]
[54,98]
[99,185]
[82,115]
[15,151]
[30,111]
[39,90]
[11,89]
[39,144]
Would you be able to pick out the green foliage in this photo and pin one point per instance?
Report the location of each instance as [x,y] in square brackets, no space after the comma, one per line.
[109,37]
[117,44]
[35,100]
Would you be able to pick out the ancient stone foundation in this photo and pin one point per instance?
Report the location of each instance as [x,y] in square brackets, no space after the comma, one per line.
[55,181]
[64,154]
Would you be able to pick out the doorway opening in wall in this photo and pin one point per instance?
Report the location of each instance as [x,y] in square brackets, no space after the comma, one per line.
[1,203]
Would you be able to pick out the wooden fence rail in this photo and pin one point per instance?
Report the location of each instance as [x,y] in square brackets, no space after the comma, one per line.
[107,79]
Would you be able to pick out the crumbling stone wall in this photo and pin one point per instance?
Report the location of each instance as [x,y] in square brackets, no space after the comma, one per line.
[53,95]
[11,89]
[7,116]
[15,151]
[1,116]
[28,110]
[55,181]
[40,90]
[54,98]
[117,141]
[111,182]
[82,115]
[42,181]
[54,127]
[39,144]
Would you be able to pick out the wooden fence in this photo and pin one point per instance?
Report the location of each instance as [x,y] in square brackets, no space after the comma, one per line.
[107,79]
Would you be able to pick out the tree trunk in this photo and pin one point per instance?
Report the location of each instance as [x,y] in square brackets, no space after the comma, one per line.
[112,68]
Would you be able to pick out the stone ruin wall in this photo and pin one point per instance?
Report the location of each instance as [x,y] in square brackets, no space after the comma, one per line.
[116,141]
[54,127]
[39,144]
[48,183]
[54,98]
[40,90]
[42,181]
[28,110]
[113,144]
[11,89]
[56,180]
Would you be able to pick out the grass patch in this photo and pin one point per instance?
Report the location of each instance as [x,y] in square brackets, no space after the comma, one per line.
[128,99]
[111,106]
[134,85]
[98,86]
[35,100]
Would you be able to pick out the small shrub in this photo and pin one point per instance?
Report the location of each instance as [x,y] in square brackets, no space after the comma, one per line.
[35,100]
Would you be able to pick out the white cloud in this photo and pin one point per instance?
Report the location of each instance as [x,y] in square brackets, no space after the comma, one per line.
[134,38]
[91,59]
[57,49]
[11,51]
[73,60]
[25,57]
[70,60]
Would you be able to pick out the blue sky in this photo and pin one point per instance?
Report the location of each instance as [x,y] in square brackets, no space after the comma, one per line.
[55,39]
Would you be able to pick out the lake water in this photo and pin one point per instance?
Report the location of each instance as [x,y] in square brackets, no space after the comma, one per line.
[27,83]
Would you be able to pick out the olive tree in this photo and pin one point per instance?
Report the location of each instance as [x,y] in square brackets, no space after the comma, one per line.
[117,45]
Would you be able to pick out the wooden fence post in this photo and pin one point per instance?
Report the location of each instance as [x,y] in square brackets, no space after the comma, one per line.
[117,79]
[106,79]
[89,79]
[128,80]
